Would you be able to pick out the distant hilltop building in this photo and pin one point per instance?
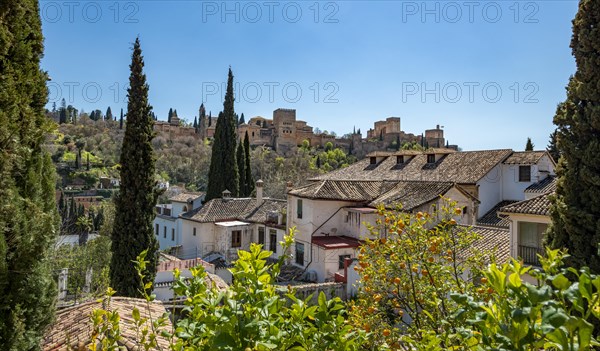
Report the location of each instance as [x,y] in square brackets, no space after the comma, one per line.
[284,132]
[174,128]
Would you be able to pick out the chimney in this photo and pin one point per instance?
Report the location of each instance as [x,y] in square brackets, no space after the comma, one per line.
[226,195]
[259,192]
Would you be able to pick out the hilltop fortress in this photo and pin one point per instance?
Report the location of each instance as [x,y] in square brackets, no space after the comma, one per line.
[284,133]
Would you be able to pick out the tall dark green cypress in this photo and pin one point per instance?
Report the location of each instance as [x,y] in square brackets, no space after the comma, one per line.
[121,120]
[109,115]
[247,168]
[28,214]
[576,207]
[241,164]
[223,173]
[134,205]
[529,145]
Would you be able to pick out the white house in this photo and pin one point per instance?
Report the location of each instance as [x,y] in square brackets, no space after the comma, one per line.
[330,212]
[221,227]
[166,224]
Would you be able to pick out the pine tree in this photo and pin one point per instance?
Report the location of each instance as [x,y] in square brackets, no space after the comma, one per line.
[109,115]
[552,147]
[242,119]
[223,173]
[576,206]
[134,205]
[529,145]
[121,120]
[28,212]
[241,164]
[247,168]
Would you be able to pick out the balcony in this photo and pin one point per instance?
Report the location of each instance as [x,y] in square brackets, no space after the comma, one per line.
[529,254]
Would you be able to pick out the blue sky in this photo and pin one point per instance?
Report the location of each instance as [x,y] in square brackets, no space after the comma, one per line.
[490,72]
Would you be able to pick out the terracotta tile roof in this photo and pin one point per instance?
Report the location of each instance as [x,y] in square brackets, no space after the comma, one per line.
[491,217]
[186,196]
[359,191]
[243,209]
[524,157]
[539,205]
[412,194]
[496,240]
[458,167]
[335,242]
[545,185]
[73,327]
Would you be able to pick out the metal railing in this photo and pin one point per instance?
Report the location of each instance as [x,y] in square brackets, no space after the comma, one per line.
[529,254]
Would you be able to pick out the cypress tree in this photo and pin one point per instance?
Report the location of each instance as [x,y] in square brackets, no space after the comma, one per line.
[28,212]
[121,120]
[576,206]
[109,115]
[242,119]
[63,112]
[552,147]
[223,173]
[209,118]
[241,164]
[135,202]
[195,123]
[529,145]
[170,115]
[247,168]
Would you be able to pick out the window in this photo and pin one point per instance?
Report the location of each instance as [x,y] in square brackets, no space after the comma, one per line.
[373,160]
[185,208]
[524,173]
[399,159]
[431,158]
[194,231]
[300,254]
[172,234]
[299,208]
[273,240]
[165,232]
[236,238]
[261,236]
[342,260]
[464,210]
[157,230]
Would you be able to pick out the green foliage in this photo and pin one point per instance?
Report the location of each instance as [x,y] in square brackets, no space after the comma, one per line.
[576,207]
[529,145]
[553,147]
[241,164]
[553,314]
[133,231]
[250,315]
[92,257]
[224,173]
[28,216]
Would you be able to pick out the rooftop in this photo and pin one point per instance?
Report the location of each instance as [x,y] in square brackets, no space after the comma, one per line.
[241,209]
[545,185]
[186,197]
[491,218]
[73,327]
[524,157]
[496,240]
[458,167]
[539,205]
